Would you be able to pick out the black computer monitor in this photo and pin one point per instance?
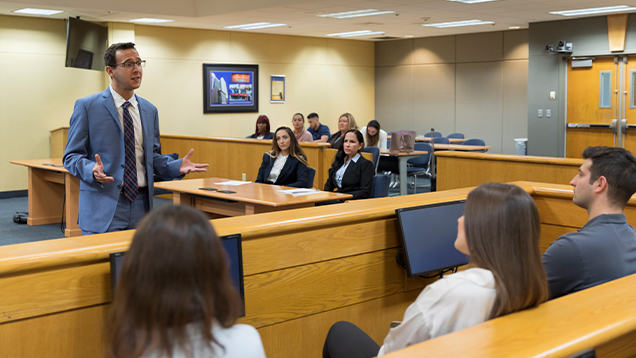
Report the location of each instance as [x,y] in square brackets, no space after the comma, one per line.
[428,234]
[231,244]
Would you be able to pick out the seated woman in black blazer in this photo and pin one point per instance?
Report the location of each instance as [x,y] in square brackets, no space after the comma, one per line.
[350,172]
[286,163]
[262,129]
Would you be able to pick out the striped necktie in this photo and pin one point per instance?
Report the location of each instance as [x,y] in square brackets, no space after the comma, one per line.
[130,168]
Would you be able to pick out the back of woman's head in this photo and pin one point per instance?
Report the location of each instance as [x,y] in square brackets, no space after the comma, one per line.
[174,273]
[502,233]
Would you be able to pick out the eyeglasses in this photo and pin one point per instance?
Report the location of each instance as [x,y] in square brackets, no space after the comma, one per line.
[129,64]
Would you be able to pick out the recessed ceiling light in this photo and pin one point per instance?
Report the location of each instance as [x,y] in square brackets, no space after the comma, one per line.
[254,26]
[442,25]
[357,13]
[151,21]
[514,27]
[356,33]
[31,11]
[596,10]
[472,1]
[408,35]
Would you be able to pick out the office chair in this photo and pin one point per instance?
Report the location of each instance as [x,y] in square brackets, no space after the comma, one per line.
[380,187]
[433,134]
[375,151]
[419,165]
[455,135]
[474,142]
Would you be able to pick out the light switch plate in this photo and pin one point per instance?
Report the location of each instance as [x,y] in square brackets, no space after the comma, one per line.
[540,113]
[548,113]
[552,95]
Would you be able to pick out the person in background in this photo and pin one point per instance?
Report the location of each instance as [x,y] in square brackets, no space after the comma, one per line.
[262,128]
[319,132]
[175,297]
[500,232]
[373,135]
[286,164]
[350,172]
[345,123]
[605,248]
[298,121]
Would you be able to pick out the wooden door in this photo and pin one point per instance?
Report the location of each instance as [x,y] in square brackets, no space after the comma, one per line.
[584,106]
[629,103]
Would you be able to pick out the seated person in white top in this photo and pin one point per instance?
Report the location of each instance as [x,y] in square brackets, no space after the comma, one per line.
[500,231]
[175,297]
[286,163]
[298,121]
[373,135]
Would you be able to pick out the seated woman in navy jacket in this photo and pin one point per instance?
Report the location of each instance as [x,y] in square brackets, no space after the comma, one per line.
[286,163]
[262,129]
[350,172]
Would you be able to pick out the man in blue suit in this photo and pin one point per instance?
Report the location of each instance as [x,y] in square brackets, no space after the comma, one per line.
[116,187]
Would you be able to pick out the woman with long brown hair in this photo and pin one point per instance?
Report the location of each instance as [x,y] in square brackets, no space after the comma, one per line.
[175,297]
[286,164]
[500,232]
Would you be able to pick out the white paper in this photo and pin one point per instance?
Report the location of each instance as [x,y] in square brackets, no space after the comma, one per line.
[233,182]
[300,191]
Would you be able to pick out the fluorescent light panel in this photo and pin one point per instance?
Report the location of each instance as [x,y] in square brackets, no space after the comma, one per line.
[443,25]
[146,20]
[254,26]
[356,33]
[357,13]
[471,1]
[31,11]
[596,10]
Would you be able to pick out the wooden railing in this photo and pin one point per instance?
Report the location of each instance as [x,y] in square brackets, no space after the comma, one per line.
[304,270]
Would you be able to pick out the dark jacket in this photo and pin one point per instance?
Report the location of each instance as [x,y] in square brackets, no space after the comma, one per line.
[294,173]
[336,140]
[269,135]
[357,179]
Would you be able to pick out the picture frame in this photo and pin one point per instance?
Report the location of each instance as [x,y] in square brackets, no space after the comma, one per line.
[277,88]
[230,88]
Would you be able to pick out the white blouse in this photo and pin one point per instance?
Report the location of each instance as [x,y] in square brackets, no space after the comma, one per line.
[382,142]
[457,301]
[279,163]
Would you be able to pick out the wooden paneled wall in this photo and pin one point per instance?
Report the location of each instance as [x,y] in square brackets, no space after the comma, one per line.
[304,270]
[465,169]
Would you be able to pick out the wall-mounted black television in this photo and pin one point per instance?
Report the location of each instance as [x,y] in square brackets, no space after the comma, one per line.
[86,43]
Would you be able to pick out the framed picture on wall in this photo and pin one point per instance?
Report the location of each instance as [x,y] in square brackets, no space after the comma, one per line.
[230,88]
[278,88]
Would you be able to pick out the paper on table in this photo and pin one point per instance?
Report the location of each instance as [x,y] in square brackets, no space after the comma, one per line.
[233,182]
[300,191]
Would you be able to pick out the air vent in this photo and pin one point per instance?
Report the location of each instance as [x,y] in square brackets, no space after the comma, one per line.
[385,38]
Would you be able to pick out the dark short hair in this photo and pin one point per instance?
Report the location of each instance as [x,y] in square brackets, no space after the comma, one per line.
[618,166]
[109,56]
[313,115]
[299,114]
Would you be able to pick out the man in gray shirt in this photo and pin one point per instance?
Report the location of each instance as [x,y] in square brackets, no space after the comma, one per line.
[605,248]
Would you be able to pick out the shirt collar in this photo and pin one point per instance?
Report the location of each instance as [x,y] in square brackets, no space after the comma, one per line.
[606,219]
[356,157]
[119,100]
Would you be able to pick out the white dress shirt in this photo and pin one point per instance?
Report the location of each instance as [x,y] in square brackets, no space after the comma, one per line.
[457,301]
[238,341]
[279,163]
[382,142]
[133,109]
[340,173]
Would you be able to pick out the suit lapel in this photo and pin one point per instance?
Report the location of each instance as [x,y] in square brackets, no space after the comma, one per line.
[286,168]
[109,103]
[148,140]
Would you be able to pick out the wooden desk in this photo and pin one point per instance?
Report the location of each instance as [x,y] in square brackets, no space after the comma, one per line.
[428,139]
[304,270]
[252,198]
[403,157]
[51,188]
[462,148]
[602,317]
[465,169]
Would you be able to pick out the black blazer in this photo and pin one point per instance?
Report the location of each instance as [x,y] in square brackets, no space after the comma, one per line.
[269,135]
[336,140]
[357,179]
[294,173]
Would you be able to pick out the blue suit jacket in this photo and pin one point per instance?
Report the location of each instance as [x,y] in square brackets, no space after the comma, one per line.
[95,129]
[294,173]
